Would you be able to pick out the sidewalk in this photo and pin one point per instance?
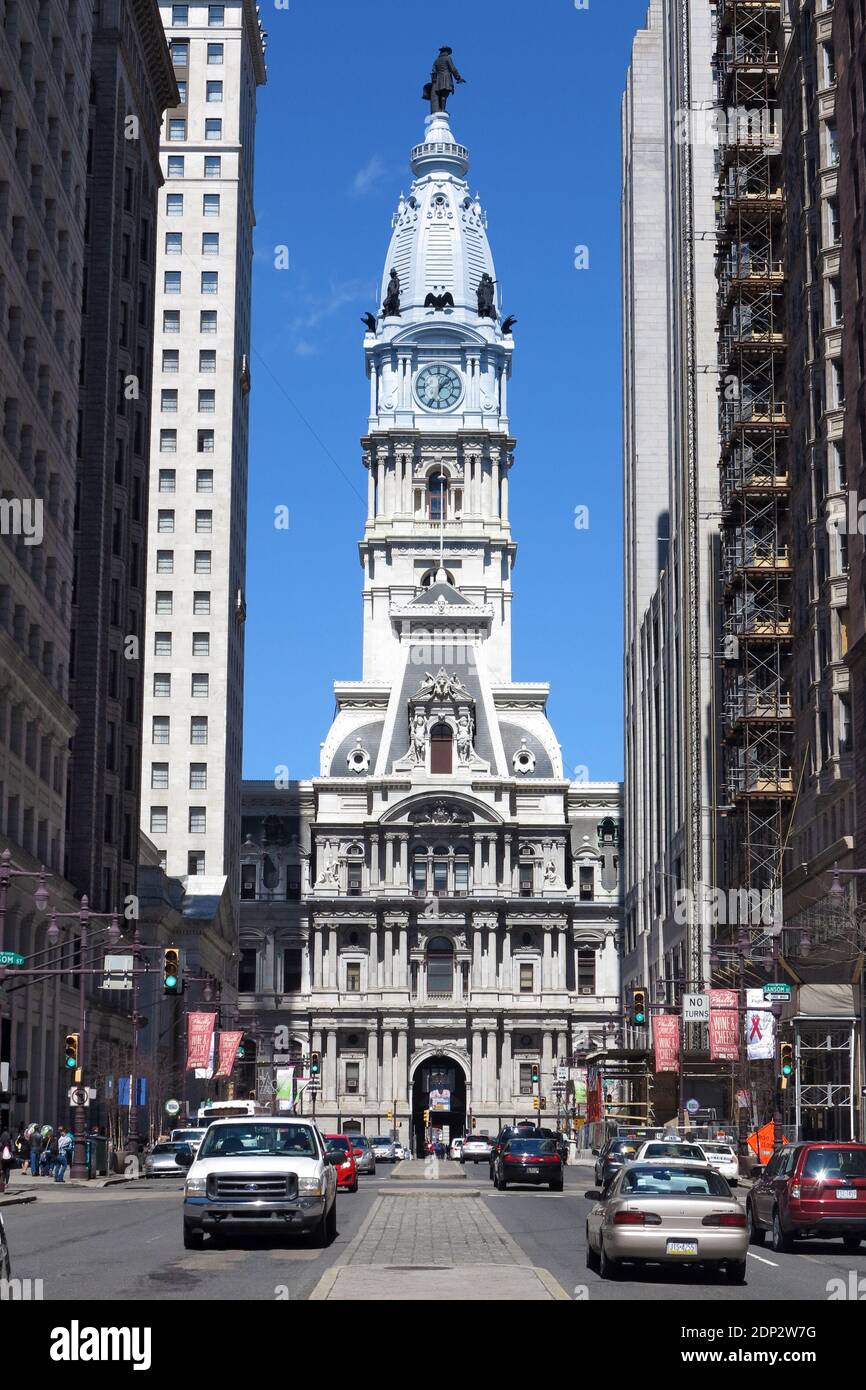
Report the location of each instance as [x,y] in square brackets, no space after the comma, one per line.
[23,1187]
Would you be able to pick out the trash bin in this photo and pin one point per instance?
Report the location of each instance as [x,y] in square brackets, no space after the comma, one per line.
[97,1156]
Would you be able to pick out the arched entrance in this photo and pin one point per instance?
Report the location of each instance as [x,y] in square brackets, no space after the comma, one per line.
[439,1085]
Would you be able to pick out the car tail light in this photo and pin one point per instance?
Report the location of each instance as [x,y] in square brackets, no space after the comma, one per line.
[725,1218]
[636,1218]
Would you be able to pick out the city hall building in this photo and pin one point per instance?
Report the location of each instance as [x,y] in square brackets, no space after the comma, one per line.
[438,910]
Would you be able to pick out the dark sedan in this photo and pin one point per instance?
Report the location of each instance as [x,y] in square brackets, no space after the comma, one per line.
[610,1160]
[535,1161]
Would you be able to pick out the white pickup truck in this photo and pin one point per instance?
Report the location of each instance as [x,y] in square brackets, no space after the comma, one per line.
[261,1173]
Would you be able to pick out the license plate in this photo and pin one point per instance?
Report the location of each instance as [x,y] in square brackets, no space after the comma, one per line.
[682,1247]
[849,1192]
[533,1170]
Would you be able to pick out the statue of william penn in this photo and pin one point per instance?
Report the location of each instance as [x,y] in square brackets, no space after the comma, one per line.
[442,79]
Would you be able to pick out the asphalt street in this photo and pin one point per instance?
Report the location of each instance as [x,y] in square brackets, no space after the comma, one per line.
[125,1242]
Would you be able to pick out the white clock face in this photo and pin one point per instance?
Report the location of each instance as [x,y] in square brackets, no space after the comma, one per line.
[438,387]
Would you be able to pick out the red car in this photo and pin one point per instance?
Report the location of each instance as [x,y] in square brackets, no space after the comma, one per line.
[810,1189]
[346,1169]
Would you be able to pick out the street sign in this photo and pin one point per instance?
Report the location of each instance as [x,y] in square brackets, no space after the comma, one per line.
[777,991]
[562,1073]
[79,1095]
[172,1107]
[693,1106]
[117,971]
[696,1008]
[10,958]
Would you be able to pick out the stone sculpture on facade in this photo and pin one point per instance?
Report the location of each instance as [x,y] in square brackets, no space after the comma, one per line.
[391,302]
[486,297]
[442,80]
[418,744]
[464,738]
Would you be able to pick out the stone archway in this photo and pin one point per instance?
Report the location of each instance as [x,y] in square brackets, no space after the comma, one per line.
[439,1084]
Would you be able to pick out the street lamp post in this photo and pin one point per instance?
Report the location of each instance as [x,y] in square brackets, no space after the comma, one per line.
[84,917]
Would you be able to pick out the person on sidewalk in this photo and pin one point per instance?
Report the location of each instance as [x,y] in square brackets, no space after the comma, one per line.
[48,1157]
[23,1147]
[7,1159]
[35,1151]
[64,1151]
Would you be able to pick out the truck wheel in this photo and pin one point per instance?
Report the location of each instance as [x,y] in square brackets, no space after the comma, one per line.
[331,1223]
[193,1239]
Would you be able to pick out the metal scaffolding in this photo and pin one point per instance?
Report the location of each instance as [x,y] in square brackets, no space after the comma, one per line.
[755,581]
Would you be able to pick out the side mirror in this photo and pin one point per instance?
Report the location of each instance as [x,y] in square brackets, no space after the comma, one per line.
[184,1158]
[333,1159]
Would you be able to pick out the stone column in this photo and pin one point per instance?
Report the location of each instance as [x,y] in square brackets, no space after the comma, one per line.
[490,1066]
[547,1077]
[401,875]
[373,960]
[318,978]
[507,981]
[478,871]
[332,957]
[477,1080]
[389,859]
[507,867]
[403,956]
[373,1063]
[504,494]
[491,957]
[475,980]
[329,1090]
[375,872]
[388,962]
[402,1066]
[371,492]
[387,1093]
[546,959]
[506,1082]
[306,966]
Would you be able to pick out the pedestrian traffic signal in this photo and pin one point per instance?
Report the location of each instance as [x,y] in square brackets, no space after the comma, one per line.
[786,1058]
[172,973]
[72,1042]
[536,1077]
[638,1008]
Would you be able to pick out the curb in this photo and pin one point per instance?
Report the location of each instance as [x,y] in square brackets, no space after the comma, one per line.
[428,1189]
[17,1201]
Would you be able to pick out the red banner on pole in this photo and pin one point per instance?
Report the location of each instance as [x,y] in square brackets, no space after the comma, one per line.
[724,1026]
[666,1041]
[199,1038]
[227,1052]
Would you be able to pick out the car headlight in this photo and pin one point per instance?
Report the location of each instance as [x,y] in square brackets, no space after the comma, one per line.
[195,1187]
[312,1186]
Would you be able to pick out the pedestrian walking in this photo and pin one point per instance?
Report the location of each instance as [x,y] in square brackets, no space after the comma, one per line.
[7,1159]
[22,1148]
[64,1151]
[49,1152]
[35,1151]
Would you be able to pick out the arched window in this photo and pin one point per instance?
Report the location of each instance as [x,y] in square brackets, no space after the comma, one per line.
[437,497]
[441,748]
[440,967]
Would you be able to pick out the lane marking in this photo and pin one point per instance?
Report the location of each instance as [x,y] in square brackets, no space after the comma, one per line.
[773,1263]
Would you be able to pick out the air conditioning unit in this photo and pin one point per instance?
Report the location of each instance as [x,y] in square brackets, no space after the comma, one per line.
[586,989]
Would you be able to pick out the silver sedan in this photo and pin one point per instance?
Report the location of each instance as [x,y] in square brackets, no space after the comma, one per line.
[160,1161]
[667,1212]
[365,1159]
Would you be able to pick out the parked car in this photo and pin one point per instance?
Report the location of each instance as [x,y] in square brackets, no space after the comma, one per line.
[477,1148]
[456,1146]
[365,1159]
[536,1161]
[385,1149]
[667,1213]
[722,1157]
[810,1189]
[346,1168]
[610,1158]
[5,1257]
[160,1160]
[260,1173]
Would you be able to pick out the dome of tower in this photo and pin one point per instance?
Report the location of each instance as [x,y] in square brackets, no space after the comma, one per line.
[439,243]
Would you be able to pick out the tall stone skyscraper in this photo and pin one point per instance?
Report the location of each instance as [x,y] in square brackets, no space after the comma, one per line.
[456,900]
[197,535]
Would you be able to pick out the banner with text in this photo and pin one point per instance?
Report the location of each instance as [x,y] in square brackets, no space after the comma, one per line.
[666,1041]
[200,1037]
[760,1031]
[228,1051]
[724,1026]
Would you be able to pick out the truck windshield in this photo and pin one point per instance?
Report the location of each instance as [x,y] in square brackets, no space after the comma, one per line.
[250,1140]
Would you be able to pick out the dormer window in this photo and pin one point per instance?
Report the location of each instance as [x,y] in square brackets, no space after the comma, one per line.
[441,748]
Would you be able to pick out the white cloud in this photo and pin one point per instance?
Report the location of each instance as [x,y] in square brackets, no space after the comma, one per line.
[366,178]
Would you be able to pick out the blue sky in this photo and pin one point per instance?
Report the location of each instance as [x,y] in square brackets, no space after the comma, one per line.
[540,114]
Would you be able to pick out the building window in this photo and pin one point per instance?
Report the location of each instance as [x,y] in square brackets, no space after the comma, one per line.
[293,881]
[180,16]
[204,480]
[168,444]
[162,644]
[204,523]
[526,1087]
[525,878]
[247,972]
[174,243]
[440,967]
[201,602]
[213,128]
[165,562]
[205,441]
[167,480]
[437,494]
[586,972]
[213,166]
[195,862]
[207,402]
[162,685]
[197,820]
[198,777]
[177,128]
[171,360]
[210,282]
[353,977]
[353,878]
[216,16]
[210,205]
[461,875]
[201,644]
[214,91]
[171,320]
[199,683]
[159,777]
[441,748]
[198,729]
[202,562]
[179,53]
[527,977]
[181,94]
[292,972]
[176,166]
[215,53]
[353,1078]
[163,603]
[207,360]
[168,401]
[159,820]
[248,883]
[210,243]
[207,321]
[419,872]
[165,521]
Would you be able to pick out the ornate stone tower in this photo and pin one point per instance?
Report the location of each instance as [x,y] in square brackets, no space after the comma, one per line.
[459,900]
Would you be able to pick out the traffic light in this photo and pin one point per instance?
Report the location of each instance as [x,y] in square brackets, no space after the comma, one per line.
[544,1102]
[315,1065]
[536,1076]
[638,1008]
[172,974]
[426,1117]
[786,1060]
[535,1102]
[72,1042]
[241,1052]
